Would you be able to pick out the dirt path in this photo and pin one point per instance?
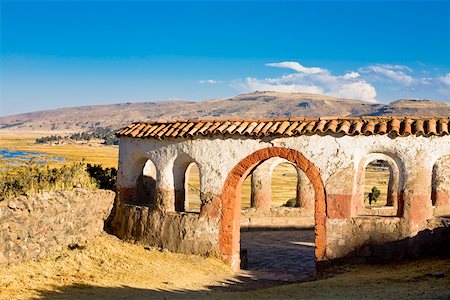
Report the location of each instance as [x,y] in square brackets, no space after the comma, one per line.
[286,255]
[108,268]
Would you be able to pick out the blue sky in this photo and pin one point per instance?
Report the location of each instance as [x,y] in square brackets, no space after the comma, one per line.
[69,53]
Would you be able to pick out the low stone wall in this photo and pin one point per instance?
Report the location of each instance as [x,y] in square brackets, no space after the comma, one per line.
[31,228]
[277,218]
[383,239]
[174,231]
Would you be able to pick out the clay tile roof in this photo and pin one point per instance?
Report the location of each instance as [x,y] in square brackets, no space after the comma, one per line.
[393,126]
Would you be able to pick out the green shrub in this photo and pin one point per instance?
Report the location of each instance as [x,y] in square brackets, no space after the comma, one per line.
[105,178]
[46,139]
[291,203]
[374,195]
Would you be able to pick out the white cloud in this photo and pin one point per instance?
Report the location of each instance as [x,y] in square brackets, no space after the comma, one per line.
[296,67]
[390,72]
[313,80]
[360,90]
[351,75]
[445,79]
[208,81]
[396,67]
[276,86]
[365,83]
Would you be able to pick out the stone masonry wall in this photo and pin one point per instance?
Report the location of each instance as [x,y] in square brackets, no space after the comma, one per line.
[31,228]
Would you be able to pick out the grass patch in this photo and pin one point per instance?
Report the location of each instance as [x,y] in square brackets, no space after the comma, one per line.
[34,179]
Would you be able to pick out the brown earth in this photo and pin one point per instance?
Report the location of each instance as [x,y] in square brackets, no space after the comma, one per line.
[258,105]
[108,268]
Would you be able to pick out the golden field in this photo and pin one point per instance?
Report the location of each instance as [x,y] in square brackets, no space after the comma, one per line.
[92,153]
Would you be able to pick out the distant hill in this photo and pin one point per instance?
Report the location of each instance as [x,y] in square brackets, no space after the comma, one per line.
[258,105]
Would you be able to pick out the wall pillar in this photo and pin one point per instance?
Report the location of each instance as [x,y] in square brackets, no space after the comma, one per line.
[305,192]
[261,191]
[417,194]
[441,186]
[165,194]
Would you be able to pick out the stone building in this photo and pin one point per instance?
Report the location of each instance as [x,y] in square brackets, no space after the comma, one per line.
[330,155]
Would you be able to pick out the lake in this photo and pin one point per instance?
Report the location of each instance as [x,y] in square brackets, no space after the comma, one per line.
[20,157]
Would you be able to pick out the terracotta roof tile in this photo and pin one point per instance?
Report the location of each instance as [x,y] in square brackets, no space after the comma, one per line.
[258,128]
[418,127]
[443,126]
[204,127]
[331,126]
[186,128]
[394,126]
[406,128]
[283,126]
[250,128]
[195,129]
[266,127]
[222,127]
[344,127]
[320,127]
[382,127]
[273,128]
[232,127]
[292,126]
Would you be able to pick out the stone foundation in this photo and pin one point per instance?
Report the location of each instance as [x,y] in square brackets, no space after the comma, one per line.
[383,239]
[174,231]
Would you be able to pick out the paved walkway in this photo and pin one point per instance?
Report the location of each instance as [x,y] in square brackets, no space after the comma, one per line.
[279,255]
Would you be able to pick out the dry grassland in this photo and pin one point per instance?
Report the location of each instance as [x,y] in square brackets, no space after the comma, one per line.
[108,268]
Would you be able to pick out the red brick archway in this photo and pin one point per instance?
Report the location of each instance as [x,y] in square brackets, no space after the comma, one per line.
[229,238]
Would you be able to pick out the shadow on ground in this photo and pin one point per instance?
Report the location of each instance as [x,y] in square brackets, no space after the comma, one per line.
[275,258]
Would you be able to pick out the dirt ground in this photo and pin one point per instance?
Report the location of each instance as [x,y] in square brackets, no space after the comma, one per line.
[108,268]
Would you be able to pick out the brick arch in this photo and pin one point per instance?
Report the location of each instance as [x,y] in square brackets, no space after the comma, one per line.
[229,238]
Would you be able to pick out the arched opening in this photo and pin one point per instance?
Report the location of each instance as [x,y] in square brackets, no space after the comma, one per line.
[379,183]
[229,238]
[145,189]
[187,184]
[284,185]
[440,187]
[276,238]
[192,187]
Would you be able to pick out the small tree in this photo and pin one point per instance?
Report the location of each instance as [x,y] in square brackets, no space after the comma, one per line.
[374,195]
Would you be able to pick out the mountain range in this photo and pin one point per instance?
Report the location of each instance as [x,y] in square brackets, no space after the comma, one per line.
[257,105]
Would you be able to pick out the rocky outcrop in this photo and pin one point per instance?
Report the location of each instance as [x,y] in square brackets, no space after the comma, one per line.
[31,228]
